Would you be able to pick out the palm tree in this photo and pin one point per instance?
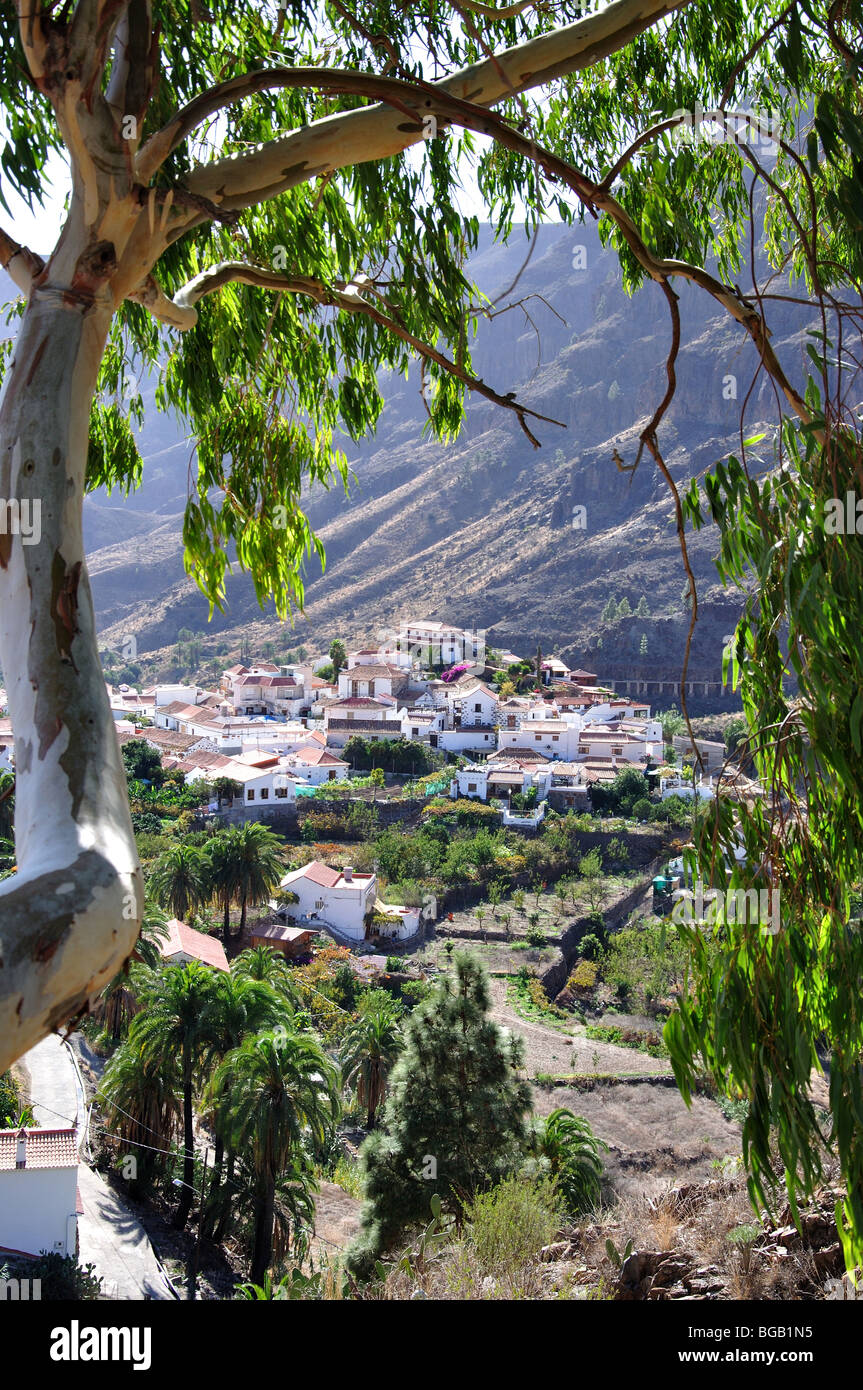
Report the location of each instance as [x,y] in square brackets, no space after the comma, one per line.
[222,878]
[570,1150]
[172,1029]
[179,880]
[369,1050]
[118,1001]
[237,1007]
[258,857]
[269,967]
[138,1096]
[271,1089]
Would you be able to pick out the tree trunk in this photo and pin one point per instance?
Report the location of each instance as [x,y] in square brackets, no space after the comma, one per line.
[225,1212]
[70,916]
[187,1191]
[226,922]
[263,1252]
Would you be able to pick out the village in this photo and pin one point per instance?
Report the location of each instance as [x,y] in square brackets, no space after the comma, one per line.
[483,727]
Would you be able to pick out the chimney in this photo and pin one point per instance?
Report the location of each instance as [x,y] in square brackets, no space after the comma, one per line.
[348,873]
[21,1149]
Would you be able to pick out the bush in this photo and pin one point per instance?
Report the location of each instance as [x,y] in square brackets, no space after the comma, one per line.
[584,976]
[63,1279]
[415,992]
[590,946]
[393,963]
[534,936]
[507,1228]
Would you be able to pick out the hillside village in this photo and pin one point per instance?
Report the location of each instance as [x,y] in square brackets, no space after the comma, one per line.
[343,838]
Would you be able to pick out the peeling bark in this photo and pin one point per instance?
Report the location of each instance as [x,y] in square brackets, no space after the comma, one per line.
[70,916]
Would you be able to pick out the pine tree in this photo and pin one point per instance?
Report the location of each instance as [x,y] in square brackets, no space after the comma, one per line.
[609,612]
[642,611]
[623,608]
[454,1122]
[642,650]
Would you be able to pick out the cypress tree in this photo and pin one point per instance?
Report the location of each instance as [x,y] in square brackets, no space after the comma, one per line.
[454,1122]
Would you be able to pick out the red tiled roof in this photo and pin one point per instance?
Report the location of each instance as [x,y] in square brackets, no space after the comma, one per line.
[183,938]
[46,1148]
[321,874]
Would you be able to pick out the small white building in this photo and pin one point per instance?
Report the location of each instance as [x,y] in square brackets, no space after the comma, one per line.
[39,1191]
[316,765]
[334,897]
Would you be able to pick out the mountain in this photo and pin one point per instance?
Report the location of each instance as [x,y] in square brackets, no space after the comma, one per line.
[481,532]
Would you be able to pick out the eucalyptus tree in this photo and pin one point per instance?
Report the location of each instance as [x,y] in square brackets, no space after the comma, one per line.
[257,196]
[247,219]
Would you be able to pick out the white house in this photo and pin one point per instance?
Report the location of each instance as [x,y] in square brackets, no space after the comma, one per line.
[553,738]
[363,715]
[375,679]
[7,748]
[471,702]
[439,644]
[316,765]
[333,897]
[39,1191]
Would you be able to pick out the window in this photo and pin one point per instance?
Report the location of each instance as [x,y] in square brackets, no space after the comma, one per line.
[265,793]
[555,738]
[250,796]
[331,775]
[618,752]
[281,791]
[538,738]
[319,904]
[471,786]
[478,708]
[371,687]
[415,733]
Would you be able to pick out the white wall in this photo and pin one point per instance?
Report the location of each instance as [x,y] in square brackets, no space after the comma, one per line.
[35,1206]
[464,740]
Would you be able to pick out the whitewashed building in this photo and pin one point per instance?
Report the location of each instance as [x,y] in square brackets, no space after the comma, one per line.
[336,897]
[39,1191]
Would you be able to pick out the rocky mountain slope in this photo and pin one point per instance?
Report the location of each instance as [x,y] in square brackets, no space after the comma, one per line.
[481,532]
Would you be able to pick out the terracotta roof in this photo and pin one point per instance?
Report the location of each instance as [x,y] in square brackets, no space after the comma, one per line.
[319,873]
[361,702]
[183,938]
[46,1148]
[380,726]
[372,672]
[317,757]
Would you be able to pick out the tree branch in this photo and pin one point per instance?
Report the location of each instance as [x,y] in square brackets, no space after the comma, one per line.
[20,263]
[353,137]
[180,312]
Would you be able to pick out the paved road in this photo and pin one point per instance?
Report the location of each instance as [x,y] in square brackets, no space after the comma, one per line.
[110,1237]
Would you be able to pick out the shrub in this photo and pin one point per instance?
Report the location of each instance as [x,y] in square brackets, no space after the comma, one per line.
[535,936]
[393,963]
[590,946]
[507,1228]
[63,1279]
[415,992]
[584,976]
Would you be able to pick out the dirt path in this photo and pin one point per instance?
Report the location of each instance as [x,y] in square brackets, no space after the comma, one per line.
[337,1220]
[562,1054]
